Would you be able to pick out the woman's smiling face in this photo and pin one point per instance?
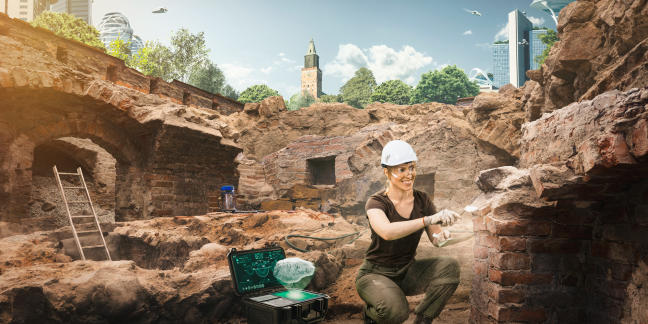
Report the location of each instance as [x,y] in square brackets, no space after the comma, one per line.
[402,176]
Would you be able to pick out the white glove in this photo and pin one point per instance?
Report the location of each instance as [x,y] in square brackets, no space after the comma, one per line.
[439,238]
[445,217]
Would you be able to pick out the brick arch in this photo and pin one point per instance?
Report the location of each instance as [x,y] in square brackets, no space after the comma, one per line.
[34,117]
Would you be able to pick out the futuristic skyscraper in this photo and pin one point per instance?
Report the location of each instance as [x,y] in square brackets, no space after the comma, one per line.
[114,25]
[552,7]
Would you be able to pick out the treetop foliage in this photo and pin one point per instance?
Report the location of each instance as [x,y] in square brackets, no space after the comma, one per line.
[70,27]
[444,86]
[257,93]
[393,91]
[357,91]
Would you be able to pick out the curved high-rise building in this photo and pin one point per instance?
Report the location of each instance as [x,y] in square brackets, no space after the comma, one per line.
[115,25]
[552,7]
[136,44]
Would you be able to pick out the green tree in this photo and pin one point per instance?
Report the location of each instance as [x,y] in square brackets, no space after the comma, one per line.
[394,91]
[208,77]
[69,26]
[119,49]
[302,100]
[330,98]
[155,59]
[357,91]
[444,86]
[189,53]
[257,93]
[548,39]
[230,92]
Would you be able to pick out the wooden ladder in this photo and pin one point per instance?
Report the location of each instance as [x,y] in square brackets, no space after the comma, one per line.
[71,217]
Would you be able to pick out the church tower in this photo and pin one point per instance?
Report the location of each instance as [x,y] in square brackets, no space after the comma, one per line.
[311,75]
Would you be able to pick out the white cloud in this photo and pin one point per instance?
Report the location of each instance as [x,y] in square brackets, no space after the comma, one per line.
[410,80]
[239,76]
[385,62]
[266,70]
[233,71]
[502,34]
[282,59]
[468,32]
[536,21]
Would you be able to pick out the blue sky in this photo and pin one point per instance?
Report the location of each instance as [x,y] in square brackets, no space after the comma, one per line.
[261,41]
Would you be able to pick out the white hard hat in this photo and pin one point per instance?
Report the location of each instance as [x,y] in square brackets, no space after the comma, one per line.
[397,152]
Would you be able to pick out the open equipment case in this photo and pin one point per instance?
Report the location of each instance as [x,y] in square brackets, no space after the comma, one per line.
[265,300]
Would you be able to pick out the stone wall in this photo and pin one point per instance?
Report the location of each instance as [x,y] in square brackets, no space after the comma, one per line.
[450,156]
[561,241]
[168,142]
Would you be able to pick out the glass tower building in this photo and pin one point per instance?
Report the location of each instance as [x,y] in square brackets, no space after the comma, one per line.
[114,25]
[136,44]
[78,8]
[536,47]
[500,64]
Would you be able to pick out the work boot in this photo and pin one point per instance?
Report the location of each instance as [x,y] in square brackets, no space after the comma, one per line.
[367,319]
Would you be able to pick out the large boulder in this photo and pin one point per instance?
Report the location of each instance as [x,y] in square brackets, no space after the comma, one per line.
[602,47]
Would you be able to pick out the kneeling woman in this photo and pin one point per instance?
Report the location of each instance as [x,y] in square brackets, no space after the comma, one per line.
[397,217]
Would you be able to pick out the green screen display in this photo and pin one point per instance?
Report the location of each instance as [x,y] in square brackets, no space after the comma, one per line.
[253,270]
[296,295]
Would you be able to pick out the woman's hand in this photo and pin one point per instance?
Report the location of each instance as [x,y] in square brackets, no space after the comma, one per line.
[445,217]
[440,237]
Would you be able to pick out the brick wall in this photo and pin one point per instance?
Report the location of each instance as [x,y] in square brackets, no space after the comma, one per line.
[564,240]
[52,87]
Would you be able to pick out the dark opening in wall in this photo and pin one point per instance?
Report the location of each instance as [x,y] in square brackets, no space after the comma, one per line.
[111,73]
[61,54]
[322,170]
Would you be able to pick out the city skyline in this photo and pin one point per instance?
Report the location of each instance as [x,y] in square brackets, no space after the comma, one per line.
[379,36]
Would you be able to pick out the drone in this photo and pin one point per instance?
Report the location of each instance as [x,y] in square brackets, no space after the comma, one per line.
[160,10]
[474,12]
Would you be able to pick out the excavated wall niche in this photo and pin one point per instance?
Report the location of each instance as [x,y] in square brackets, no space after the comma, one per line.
[563,241]
[170,155]
[68,154]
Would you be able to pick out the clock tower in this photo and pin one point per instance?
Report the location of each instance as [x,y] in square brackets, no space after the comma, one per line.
[311,75]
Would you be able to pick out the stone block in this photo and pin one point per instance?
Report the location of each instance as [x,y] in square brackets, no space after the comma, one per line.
[480,269]
[504,295]
[638,137]
[512,244]
[280,204]
[509,261]
[554,245]
[304,192]
[488,240]
[510,278]
[310,204]
[478,223]
[480,252]
[505,314]
[517,227]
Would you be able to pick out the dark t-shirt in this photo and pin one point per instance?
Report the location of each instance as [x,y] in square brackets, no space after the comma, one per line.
[401,251]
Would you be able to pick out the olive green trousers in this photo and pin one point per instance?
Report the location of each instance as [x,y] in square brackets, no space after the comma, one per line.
[384,288]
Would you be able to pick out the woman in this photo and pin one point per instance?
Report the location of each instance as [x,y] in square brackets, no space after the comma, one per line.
[397,217]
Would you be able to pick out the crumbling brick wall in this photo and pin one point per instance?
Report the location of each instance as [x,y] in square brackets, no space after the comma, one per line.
[563,240]
[167,142]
